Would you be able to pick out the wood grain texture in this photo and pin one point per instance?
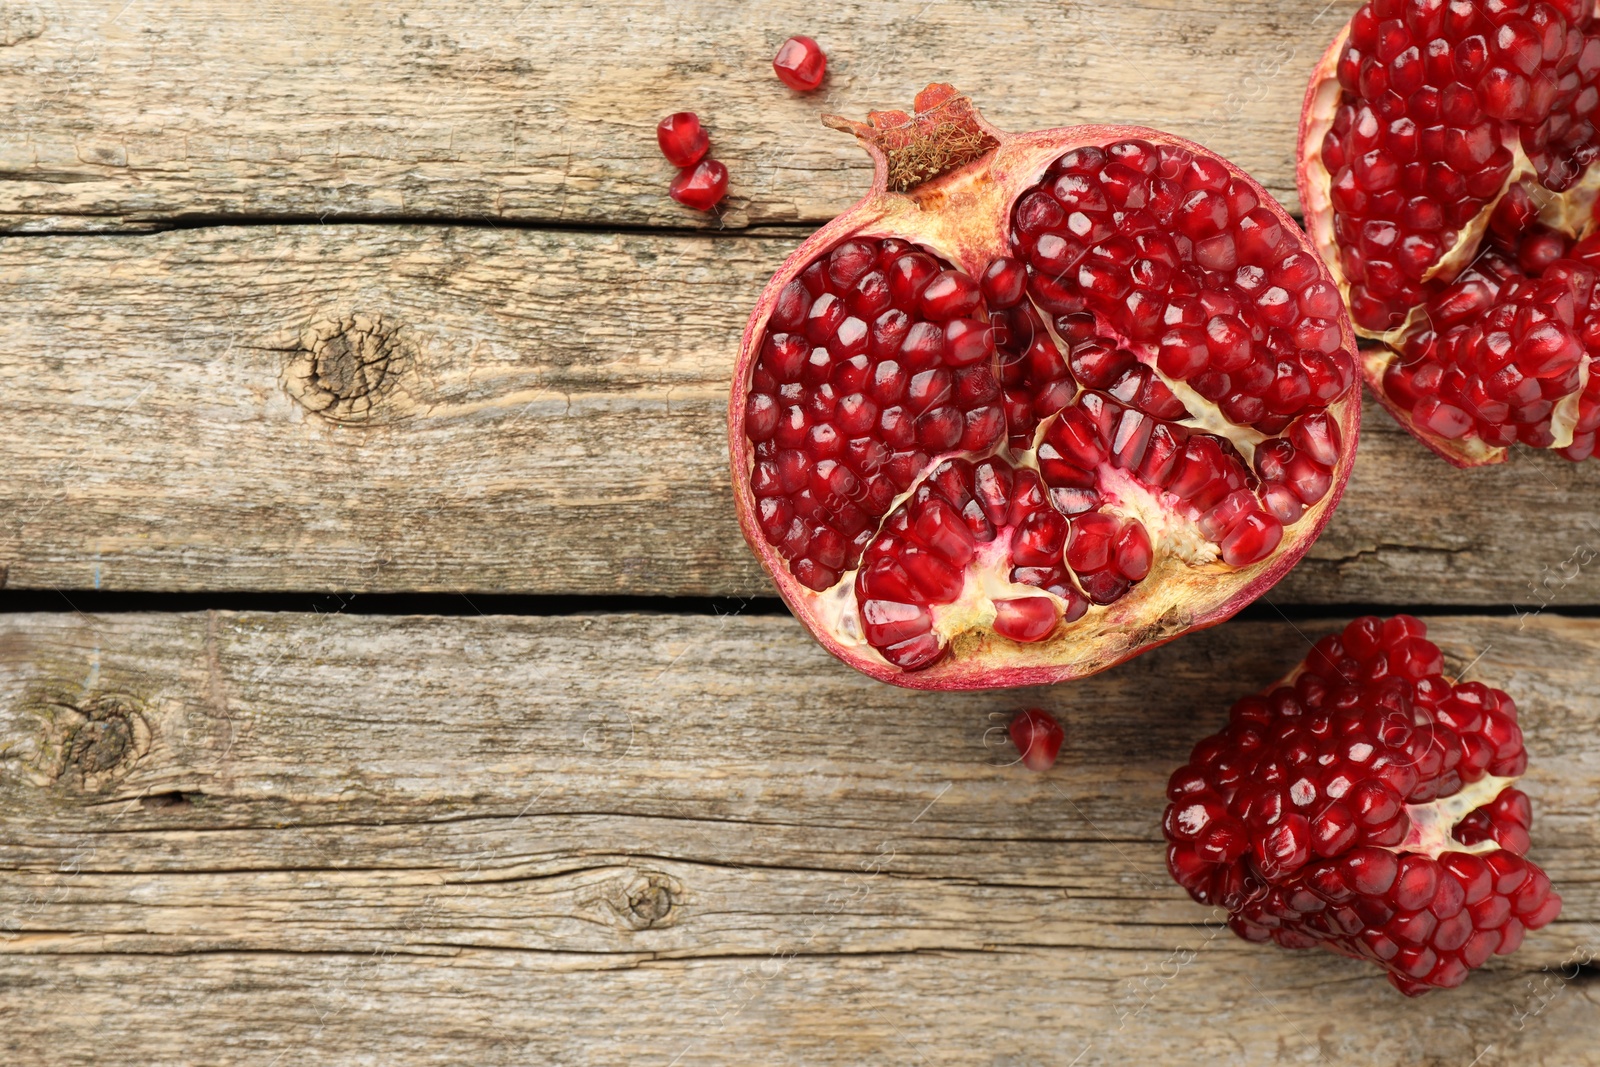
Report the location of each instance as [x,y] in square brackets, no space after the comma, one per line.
[620,837]
[124,114]
[381,408]
[266,839]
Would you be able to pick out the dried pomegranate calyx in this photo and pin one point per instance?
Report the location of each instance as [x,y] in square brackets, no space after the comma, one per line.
[1070,394]
[943,133]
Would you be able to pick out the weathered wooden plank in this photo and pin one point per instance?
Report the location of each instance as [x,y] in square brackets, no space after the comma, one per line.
[121,114]
[548,419]
[1198,1001]
[274,742]
[269,832]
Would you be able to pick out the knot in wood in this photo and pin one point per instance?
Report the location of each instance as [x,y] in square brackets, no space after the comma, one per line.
[633,898]
[650,899]
[343,368]
[95,742]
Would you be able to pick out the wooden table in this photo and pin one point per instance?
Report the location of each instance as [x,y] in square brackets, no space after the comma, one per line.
[388,301]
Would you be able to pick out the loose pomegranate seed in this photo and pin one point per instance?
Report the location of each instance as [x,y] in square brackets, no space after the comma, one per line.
[1366,808]
[701,187]
[800,64]
[1038,737]
[682,140]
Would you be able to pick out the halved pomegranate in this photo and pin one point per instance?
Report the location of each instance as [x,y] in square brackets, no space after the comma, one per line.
[1038,402]
[1446,151]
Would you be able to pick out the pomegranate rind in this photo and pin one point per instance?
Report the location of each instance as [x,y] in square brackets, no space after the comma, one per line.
[963,216]
[1312,179]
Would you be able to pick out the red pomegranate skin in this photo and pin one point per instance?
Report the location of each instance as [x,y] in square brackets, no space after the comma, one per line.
[1064,495]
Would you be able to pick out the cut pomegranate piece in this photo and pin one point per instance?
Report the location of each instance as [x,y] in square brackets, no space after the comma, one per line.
[682,140]
[1446,172]
[1366,806]
[1038,737]
[702,186]
[800,64]
[1038,402]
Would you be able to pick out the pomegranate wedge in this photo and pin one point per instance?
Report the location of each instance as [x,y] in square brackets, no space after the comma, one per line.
[1038,402]
[1447,170]
[1367,806]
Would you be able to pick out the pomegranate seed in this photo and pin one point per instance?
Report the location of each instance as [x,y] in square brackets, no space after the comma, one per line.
[800,64]
[1132,553]
[682,140]
[701,187]
[949,295]
[1089,546]
[967,341]
[1004,281]
[1038,737]
[1026,619]
[1251,540]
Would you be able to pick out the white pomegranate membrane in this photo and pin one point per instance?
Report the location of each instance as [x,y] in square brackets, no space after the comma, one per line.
[1059,398]
[1447,171]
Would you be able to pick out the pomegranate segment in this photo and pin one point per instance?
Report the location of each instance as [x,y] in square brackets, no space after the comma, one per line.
[867,370]
[1054,400]
[1366,806]
[1446,168]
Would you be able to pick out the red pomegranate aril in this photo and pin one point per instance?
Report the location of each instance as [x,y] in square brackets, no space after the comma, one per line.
[1038,538]
[910,425]
[967,341]
[1132,553]
[1004,282]
[949,295]
[1038,737]
[1381,880]
[908,275]
[800,64]
[702,186]
[1089,544]
[1026,619]
[890,623]
[1253,538]
[915,654]
[682,140]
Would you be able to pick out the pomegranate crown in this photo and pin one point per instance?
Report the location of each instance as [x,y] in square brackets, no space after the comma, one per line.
[944,133]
